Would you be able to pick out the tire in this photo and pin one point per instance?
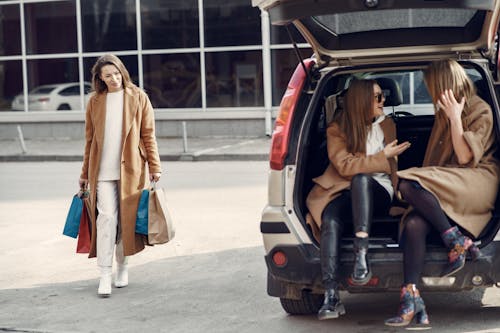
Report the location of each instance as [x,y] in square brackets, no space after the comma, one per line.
[64,107]
[307,305]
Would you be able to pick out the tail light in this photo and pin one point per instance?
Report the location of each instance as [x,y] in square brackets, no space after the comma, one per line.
[280,259]
[281,132]
[43,99]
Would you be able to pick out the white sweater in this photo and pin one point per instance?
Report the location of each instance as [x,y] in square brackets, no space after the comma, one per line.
[109,168]
[374,144]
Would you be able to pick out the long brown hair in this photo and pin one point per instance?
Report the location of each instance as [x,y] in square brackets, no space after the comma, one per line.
[356,118]
[108,59]
[448,74]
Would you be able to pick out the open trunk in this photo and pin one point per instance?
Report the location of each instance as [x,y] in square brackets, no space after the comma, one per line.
[413,113]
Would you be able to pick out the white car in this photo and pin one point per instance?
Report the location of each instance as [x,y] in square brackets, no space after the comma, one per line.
[51,97]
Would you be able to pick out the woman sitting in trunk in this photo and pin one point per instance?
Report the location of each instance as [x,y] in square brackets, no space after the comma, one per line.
[456,186]
[357,184]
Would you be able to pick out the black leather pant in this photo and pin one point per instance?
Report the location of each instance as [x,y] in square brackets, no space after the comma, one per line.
[365,199]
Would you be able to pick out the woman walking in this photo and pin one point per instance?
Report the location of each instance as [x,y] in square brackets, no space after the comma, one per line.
[119,140]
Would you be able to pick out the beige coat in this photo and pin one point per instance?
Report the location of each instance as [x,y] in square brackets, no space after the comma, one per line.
[342,167]
[466,193]
[138,146]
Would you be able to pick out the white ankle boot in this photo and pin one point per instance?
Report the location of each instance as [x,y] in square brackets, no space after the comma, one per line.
[121,279]
[104,289]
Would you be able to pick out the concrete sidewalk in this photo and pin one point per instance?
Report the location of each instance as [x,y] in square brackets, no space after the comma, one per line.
[171,149]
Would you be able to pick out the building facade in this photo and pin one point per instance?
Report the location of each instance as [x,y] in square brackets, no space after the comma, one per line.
[218,65]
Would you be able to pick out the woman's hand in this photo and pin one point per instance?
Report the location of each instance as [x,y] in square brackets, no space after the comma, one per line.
[450,106]
[154,177]
[83,183]
[393,149]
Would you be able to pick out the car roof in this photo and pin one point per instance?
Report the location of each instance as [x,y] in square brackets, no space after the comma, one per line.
[356,29]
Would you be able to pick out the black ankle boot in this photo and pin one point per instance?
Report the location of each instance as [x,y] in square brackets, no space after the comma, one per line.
[361,273]
[332,306]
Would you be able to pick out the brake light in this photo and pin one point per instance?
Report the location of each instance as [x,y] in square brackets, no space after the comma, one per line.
[280,259]
[281,132]
[43,99]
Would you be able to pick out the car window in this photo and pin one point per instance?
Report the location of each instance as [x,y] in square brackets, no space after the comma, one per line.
[42,90]
[416,98]
[70,91]
[396,19]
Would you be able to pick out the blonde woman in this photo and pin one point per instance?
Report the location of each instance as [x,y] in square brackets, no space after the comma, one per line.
[357,184]
[119,140]
[455,190]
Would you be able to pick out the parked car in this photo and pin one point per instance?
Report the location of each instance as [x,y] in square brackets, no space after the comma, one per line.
[393,42]
[51,97]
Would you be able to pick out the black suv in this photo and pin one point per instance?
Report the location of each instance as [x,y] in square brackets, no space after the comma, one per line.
[392,42]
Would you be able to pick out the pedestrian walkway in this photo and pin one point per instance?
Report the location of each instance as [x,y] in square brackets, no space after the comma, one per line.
[170,149]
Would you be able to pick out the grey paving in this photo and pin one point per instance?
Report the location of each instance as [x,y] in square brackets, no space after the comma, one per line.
[171,149]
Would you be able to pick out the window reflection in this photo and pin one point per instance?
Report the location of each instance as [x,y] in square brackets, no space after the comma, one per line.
[169,24]
[229,23]
[279,35]
[11,83]
[108,25]
[10,32]
[47,78]
[173,80]
[283,63]
[50,27]
[234,79]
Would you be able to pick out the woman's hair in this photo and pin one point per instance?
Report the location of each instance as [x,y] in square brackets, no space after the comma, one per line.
[108,59]
[356,118]
[448,74]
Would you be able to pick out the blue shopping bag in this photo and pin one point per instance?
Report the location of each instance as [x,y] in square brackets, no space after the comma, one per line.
[74,215]
[141,221]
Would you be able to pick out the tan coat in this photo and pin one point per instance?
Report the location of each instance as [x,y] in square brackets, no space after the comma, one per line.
[466,193]
[342,167]
[138,146]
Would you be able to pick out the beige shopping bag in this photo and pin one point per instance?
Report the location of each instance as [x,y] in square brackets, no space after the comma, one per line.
[160,226]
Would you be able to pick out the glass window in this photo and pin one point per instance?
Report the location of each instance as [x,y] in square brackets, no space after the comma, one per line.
[50,27]
[234,79]
[279,35]
[283,63]
[108,25]
[47,78]
[130,63]
[71,90]
[169,24]
[173,80]
[11,84]
[229,23]
[10,31]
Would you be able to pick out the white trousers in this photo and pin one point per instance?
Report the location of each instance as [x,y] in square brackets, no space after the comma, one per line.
[108,208]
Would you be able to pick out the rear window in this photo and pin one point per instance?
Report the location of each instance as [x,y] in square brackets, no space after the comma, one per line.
[42,90]
[396,19]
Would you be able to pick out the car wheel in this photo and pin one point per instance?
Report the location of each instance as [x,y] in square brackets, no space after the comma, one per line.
[64,107]
[308,304]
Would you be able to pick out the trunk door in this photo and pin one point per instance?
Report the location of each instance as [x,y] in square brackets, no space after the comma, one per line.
[352,31]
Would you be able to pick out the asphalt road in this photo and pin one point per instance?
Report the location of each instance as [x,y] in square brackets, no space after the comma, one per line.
[210,278]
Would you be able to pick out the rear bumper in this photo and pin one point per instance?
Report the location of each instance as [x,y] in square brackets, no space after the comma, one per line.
[302,271]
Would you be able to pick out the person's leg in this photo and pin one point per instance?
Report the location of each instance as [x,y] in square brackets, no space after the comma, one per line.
[121,279]
[331,230]
[368,196]
[426,204]
[106,224]
[413,242]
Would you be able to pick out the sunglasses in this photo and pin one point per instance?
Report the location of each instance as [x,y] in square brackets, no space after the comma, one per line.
[380,97]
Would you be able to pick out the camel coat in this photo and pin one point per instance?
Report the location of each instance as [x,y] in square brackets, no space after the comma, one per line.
[466,193]
[342,167]
[138,147]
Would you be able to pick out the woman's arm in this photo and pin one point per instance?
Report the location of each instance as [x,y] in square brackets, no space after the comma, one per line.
[89,135]
[453,111]
[148,137]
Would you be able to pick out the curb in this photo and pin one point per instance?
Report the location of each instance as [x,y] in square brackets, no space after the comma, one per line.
[183,157]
